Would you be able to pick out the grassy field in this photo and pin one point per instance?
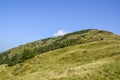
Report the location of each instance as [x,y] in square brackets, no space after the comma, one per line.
[98,60]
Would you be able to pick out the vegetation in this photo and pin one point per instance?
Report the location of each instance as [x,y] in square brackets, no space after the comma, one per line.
[87,55]
[27,53]
[30,50]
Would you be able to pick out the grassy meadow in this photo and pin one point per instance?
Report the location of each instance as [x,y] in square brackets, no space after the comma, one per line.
[98,60]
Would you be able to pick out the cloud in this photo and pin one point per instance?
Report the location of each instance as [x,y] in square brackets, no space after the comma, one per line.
[60,33]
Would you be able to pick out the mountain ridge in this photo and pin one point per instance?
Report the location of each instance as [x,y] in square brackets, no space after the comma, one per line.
[49,44]
[83,55]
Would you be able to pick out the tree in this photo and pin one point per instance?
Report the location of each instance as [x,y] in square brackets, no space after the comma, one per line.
[13,60]
[27,54]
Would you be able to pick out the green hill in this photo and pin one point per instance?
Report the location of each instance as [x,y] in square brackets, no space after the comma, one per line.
[82,55]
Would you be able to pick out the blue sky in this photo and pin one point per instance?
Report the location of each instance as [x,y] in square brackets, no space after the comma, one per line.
[23,21]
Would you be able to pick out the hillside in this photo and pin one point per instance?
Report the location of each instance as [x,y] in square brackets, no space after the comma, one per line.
[83,55]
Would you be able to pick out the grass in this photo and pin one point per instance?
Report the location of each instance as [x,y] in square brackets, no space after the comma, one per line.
[99,60]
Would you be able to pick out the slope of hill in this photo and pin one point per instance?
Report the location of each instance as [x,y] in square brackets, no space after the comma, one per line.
[82,55]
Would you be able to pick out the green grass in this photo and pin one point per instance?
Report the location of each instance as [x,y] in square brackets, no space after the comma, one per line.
[99,60]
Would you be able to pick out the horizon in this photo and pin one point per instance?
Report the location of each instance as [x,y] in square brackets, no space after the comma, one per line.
[56,35]
[26,21]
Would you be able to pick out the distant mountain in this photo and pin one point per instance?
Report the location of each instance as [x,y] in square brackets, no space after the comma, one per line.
[82,55]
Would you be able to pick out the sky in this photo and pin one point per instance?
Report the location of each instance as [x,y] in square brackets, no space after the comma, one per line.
[23,21]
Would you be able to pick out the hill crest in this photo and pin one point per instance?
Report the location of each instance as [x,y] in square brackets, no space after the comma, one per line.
[24,52]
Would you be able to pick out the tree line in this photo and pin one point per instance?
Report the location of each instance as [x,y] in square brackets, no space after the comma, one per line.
[28,54]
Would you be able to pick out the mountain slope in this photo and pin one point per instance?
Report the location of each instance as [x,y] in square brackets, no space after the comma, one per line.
[96,56]
[27,51]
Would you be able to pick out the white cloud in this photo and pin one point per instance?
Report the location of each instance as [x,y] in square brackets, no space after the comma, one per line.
[60,33]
